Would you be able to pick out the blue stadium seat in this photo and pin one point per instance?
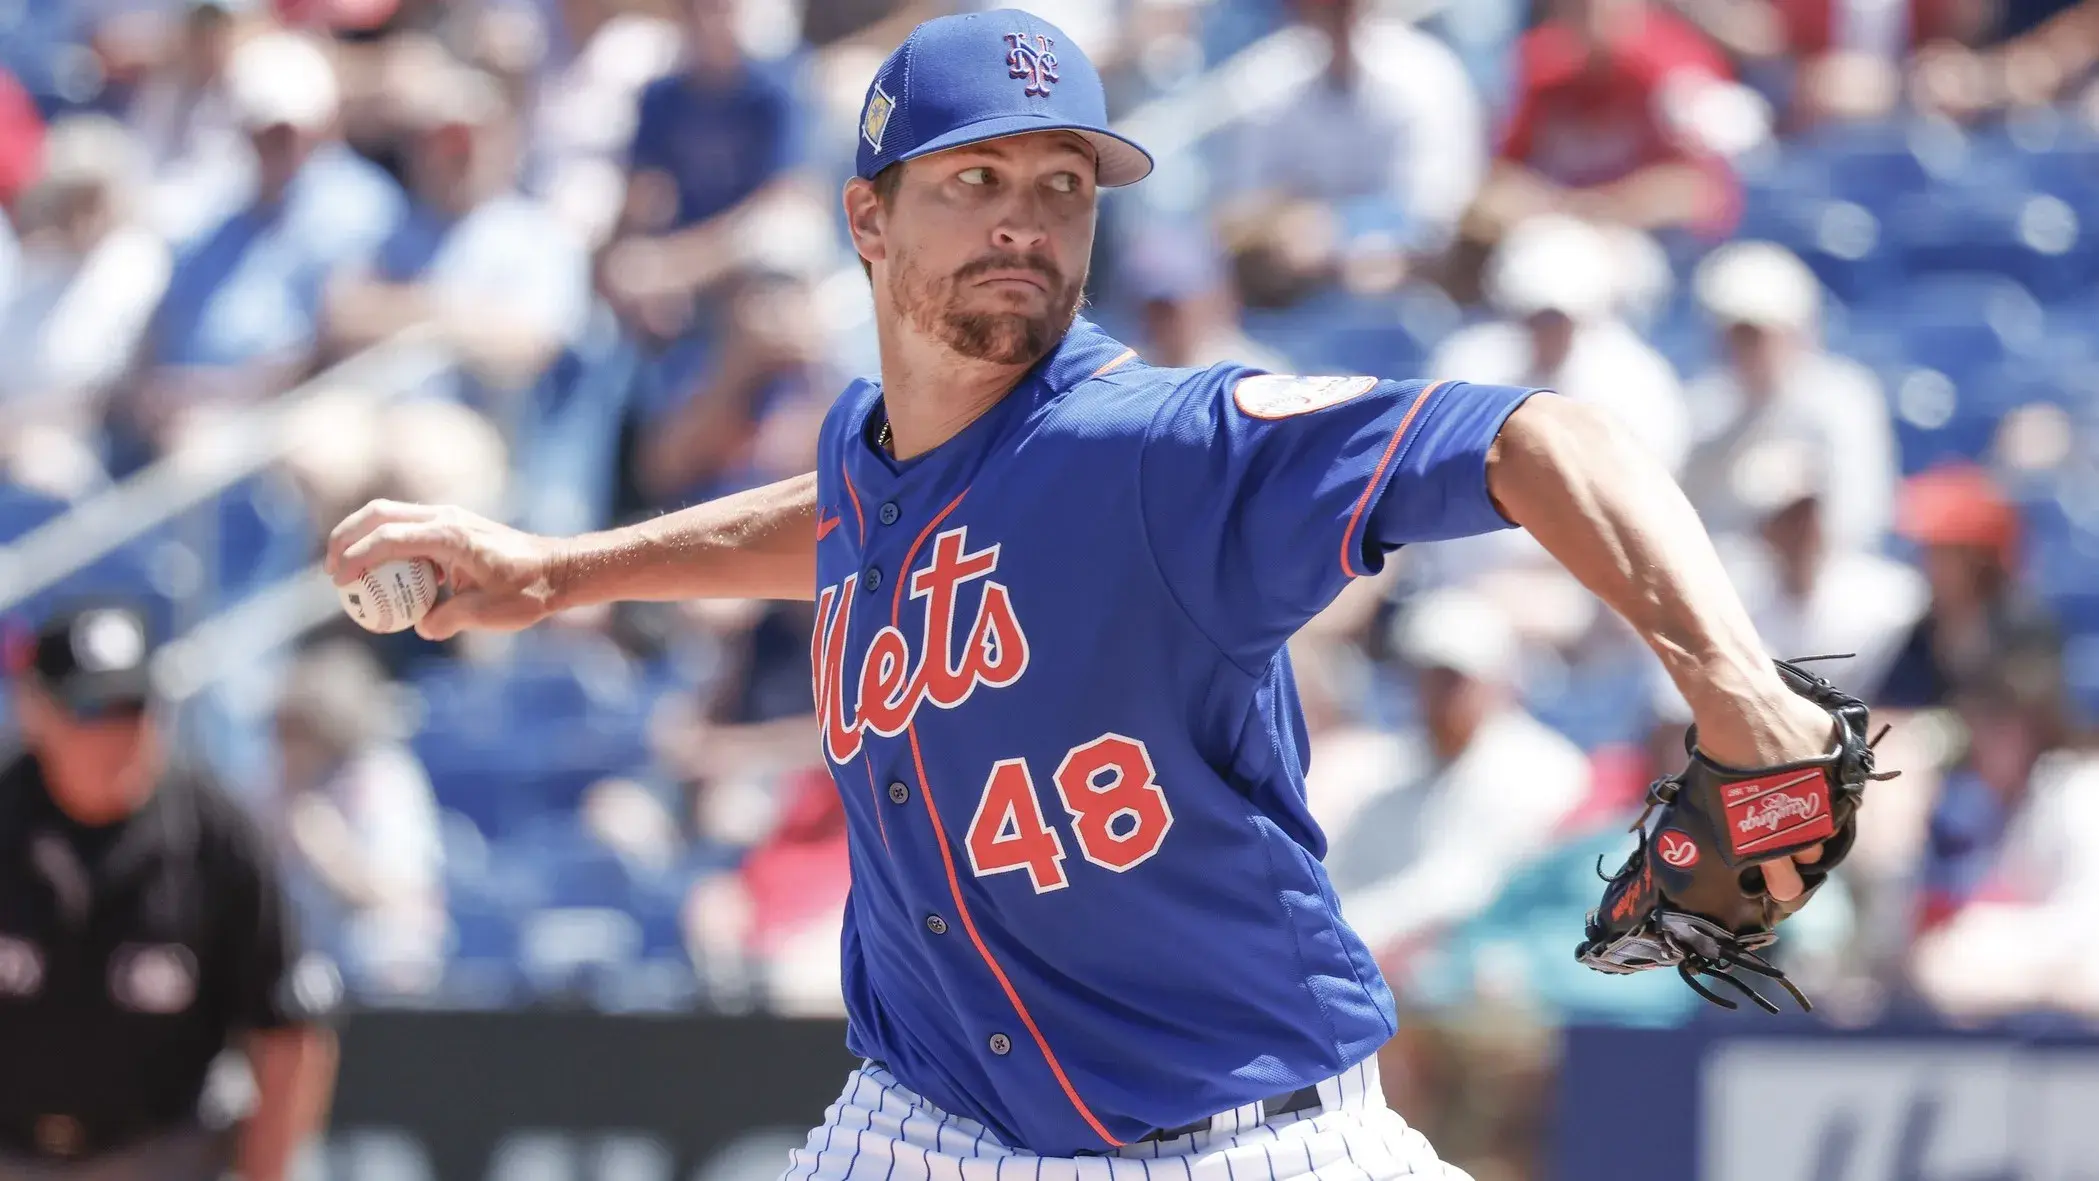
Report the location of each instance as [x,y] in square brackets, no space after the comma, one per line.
[2037,238]
[1959,324]
[1841,241]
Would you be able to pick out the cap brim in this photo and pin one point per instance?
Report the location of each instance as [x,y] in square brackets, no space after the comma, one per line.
[1119,161]
[88,695]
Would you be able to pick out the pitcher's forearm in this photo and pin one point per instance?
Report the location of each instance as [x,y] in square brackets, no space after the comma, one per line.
[759,544]
[1619,524]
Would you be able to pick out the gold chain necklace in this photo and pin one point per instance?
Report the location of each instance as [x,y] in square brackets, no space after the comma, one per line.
[882,437]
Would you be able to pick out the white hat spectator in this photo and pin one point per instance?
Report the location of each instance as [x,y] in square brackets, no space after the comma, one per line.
[1759,283]
[282,79]
[1459,630]
[1554,264]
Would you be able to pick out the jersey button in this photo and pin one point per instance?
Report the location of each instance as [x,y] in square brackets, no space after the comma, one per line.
[936,924]
[1001,1044]
[873,581]
[889,513]
[898,793]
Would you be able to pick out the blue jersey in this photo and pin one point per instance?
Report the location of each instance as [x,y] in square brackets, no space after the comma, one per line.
[1049,659]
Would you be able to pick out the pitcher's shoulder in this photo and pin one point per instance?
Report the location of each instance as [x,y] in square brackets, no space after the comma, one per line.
[1132,398]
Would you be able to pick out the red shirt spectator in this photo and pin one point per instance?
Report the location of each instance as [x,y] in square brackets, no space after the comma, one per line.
[1599,102]
[21,140]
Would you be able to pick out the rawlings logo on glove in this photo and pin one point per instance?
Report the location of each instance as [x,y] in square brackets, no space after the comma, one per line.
[1689,897]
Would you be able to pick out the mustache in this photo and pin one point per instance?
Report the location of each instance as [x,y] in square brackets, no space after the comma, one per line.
[1038,263]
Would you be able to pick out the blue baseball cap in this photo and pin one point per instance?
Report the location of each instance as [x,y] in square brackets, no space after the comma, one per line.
[986,75]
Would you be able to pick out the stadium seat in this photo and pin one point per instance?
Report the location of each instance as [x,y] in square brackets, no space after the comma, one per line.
[564,949]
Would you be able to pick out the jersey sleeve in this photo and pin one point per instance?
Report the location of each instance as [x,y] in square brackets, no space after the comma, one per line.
[1264,494]
[270,986]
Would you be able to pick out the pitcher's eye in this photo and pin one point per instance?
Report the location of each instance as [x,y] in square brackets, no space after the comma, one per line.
[1065,182]
[974,176]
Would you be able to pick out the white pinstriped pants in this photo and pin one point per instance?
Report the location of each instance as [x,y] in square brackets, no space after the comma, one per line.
[879,1130]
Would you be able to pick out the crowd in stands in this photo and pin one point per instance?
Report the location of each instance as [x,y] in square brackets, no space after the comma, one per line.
[1825,258]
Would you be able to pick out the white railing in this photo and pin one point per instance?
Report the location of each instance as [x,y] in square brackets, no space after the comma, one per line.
[62,547]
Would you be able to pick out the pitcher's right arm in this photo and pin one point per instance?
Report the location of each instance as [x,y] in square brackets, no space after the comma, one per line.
[759,544]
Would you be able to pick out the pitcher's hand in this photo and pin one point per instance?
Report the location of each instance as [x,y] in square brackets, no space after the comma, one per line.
[1772,728]
[496,578]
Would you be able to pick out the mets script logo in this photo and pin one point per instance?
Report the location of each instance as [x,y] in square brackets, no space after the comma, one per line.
[1033,61]
[886,693]
[1777,809]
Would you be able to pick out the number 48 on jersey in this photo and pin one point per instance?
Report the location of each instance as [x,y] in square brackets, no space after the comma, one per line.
[1119,813]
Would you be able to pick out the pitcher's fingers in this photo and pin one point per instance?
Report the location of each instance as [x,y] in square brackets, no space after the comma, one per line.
[451,616]
[435,540]
[1782,880]
[354,527]
[1809,855]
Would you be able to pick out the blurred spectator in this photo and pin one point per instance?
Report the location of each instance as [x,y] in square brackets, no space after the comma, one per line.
[1970,538]
[21,140]
[503,282]
[740,795]
[1623,113]
[1478,793]
[750,417]
[1775,385]
[1822,60]
[1374,155]
[2003,56]
[241,318]
[1556,281]
[2010,878]
[1808,595]
[1186,303]
[197,156]
[361,821]
[713,162]
[90,277]
[584,111]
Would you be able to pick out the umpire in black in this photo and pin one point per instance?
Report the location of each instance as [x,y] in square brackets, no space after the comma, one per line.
[142,933]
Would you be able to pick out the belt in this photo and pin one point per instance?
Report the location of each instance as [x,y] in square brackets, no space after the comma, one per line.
[1287,1103]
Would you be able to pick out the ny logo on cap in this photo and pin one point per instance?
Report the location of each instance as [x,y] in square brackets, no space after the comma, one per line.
[1033,62]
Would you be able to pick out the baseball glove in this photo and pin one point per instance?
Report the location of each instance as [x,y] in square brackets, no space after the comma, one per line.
[1692,896]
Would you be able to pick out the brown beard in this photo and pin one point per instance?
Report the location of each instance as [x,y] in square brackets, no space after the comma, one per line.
[934,307]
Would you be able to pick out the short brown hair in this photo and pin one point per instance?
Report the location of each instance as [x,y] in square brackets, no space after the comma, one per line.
[886,183]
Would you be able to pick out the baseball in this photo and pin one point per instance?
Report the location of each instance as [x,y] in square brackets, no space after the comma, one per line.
[391,597]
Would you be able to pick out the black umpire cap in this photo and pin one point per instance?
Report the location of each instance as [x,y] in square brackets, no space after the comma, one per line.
[94,659]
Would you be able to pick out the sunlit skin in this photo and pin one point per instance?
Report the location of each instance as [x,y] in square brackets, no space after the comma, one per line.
[979,266]
[99,771]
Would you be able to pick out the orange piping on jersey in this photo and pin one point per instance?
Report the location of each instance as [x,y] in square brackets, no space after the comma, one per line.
[954,886]
[849,491]
[1126,355]
[903,572]
[947,858]
[1348,567]
[875,794]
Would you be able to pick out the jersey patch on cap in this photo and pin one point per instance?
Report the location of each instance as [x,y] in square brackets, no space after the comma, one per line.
[1278,395]
[876,121]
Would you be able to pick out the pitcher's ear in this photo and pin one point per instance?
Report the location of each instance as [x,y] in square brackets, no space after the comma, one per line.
[863,218]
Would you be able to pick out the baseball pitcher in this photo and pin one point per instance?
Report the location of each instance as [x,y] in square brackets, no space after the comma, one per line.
[1089,935]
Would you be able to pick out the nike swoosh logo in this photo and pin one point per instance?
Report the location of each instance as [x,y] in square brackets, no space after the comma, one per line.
[823,527]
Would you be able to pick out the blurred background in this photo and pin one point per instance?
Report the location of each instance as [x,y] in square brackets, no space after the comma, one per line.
[572,262]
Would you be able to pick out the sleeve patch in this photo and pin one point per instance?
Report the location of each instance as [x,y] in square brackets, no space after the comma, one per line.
[1276,395]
